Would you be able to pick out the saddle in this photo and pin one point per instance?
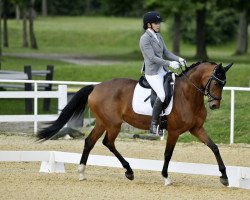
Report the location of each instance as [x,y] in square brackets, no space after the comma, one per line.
[168,88]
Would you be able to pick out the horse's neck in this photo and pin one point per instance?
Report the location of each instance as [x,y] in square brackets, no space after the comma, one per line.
[188,87]
[197,75]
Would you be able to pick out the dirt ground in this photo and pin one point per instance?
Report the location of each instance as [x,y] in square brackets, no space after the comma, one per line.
[23,180]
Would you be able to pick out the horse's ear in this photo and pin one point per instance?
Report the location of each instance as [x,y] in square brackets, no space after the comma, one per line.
[228,67]
[218,67]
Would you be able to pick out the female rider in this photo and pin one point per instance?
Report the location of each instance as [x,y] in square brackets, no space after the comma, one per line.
[153,49]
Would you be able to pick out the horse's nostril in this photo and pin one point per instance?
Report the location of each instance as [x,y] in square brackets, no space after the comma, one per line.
[213,106]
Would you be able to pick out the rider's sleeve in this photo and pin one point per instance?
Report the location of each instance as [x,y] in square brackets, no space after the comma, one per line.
[170,56]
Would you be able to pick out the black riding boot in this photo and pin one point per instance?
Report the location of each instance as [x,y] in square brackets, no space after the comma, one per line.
[157,108]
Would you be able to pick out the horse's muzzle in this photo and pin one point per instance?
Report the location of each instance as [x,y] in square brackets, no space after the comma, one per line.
[214,105]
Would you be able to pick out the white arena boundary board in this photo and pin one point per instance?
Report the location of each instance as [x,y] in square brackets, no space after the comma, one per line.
[53,161]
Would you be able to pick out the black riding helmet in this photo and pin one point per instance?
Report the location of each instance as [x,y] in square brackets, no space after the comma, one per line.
[151,17]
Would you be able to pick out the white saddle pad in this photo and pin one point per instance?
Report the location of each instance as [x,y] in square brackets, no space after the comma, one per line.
[145,108]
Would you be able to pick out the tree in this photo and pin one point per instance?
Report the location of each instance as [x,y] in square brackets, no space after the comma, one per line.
[243,34]
[18,13]
[243,7]
[27,8]
[33,42]
[23,6]
[6,5]
[1,6]
[25,34]
[201,51]
[44,8]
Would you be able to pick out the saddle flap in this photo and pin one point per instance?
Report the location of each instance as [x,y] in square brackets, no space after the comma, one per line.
[168,88]
[142,106]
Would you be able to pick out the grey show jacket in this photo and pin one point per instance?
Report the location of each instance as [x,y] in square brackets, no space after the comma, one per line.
[153,52]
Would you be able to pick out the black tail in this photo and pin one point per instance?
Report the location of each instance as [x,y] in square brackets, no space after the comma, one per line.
[74,108]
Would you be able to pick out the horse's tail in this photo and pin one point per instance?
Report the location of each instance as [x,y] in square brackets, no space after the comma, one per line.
[74,108]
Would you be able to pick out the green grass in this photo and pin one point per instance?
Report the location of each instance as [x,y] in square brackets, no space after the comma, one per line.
[72,72]
[118,38]
[81,35]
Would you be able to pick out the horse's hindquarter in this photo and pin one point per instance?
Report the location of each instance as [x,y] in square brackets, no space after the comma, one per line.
[112,101]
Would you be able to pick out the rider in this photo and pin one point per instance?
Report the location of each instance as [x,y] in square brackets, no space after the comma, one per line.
[155,67]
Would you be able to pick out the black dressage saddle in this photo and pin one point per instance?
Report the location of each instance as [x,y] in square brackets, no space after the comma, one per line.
[168,87]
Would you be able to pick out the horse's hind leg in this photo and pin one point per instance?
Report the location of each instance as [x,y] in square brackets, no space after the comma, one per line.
[109,142]
[88,146]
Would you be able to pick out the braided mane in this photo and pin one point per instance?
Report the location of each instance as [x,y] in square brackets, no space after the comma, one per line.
[194,65]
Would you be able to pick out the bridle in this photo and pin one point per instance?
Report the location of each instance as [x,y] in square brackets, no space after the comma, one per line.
[207,91]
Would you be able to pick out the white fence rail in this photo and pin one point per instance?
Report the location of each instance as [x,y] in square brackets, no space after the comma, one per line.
[53,161]
[233,89]
[61,94]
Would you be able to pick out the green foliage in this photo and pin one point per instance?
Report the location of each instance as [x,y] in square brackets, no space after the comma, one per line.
[167,8]
[121,7]
[221,27]
[93,7]
[66,7]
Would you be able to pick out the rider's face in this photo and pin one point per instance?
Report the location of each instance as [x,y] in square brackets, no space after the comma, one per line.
[156,26]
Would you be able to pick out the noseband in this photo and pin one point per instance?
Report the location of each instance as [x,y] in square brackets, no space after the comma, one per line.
[207,91]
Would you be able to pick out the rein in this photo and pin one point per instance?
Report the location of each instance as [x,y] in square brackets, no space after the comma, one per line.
[198,89]
[206,90]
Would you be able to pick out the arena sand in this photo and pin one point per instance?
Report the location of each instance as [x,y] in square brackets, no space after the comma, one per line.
[23,180]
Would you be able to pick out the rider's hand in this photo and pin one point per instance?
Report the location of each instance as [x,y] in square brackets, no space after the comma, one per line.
[174,65]
[182,61]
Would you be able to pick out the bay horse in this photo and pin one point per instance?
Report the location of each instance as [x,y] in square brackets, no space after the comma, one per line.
[111,104]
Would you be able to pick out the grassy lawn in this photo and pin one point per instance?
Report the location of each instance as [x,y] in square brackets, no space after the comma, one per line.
[117,38]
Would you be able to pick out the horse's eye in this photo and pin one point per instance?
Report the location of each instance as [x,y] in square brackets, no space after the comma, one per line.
[215,83]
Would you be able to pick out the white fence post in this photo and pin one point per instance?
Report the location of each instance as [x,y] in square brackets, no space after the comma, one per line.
[232,117]
[35,107]
[62,100]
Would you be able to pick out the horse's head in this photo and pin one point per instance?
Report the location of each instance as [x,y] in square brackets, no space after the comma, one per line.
[215,84]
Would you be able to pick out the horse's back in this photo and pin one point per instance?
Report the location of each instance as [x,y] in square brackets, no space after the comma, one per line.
[112,96]
[115,87]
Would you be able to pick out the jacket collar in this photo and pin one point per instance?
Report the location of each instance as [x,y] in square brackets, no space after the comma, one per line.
[152,36]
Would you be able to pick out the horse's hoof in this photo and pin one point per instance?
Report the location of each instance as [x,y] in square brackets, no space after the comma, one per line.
[82,177]
[81,169]
[129,175]
[136,136]
[167,181]
[224,181]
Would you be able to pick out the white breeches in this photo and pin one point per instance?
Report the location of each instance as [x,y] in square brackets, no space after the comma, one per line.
[156,82]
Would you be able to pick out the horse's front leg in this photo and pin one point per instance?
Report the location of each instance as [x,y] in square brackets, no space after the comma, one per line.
[201,134]
[171,141]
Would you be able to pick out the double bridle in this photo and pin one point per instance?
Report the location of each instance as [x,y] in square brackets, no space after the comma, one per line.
[206,91]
